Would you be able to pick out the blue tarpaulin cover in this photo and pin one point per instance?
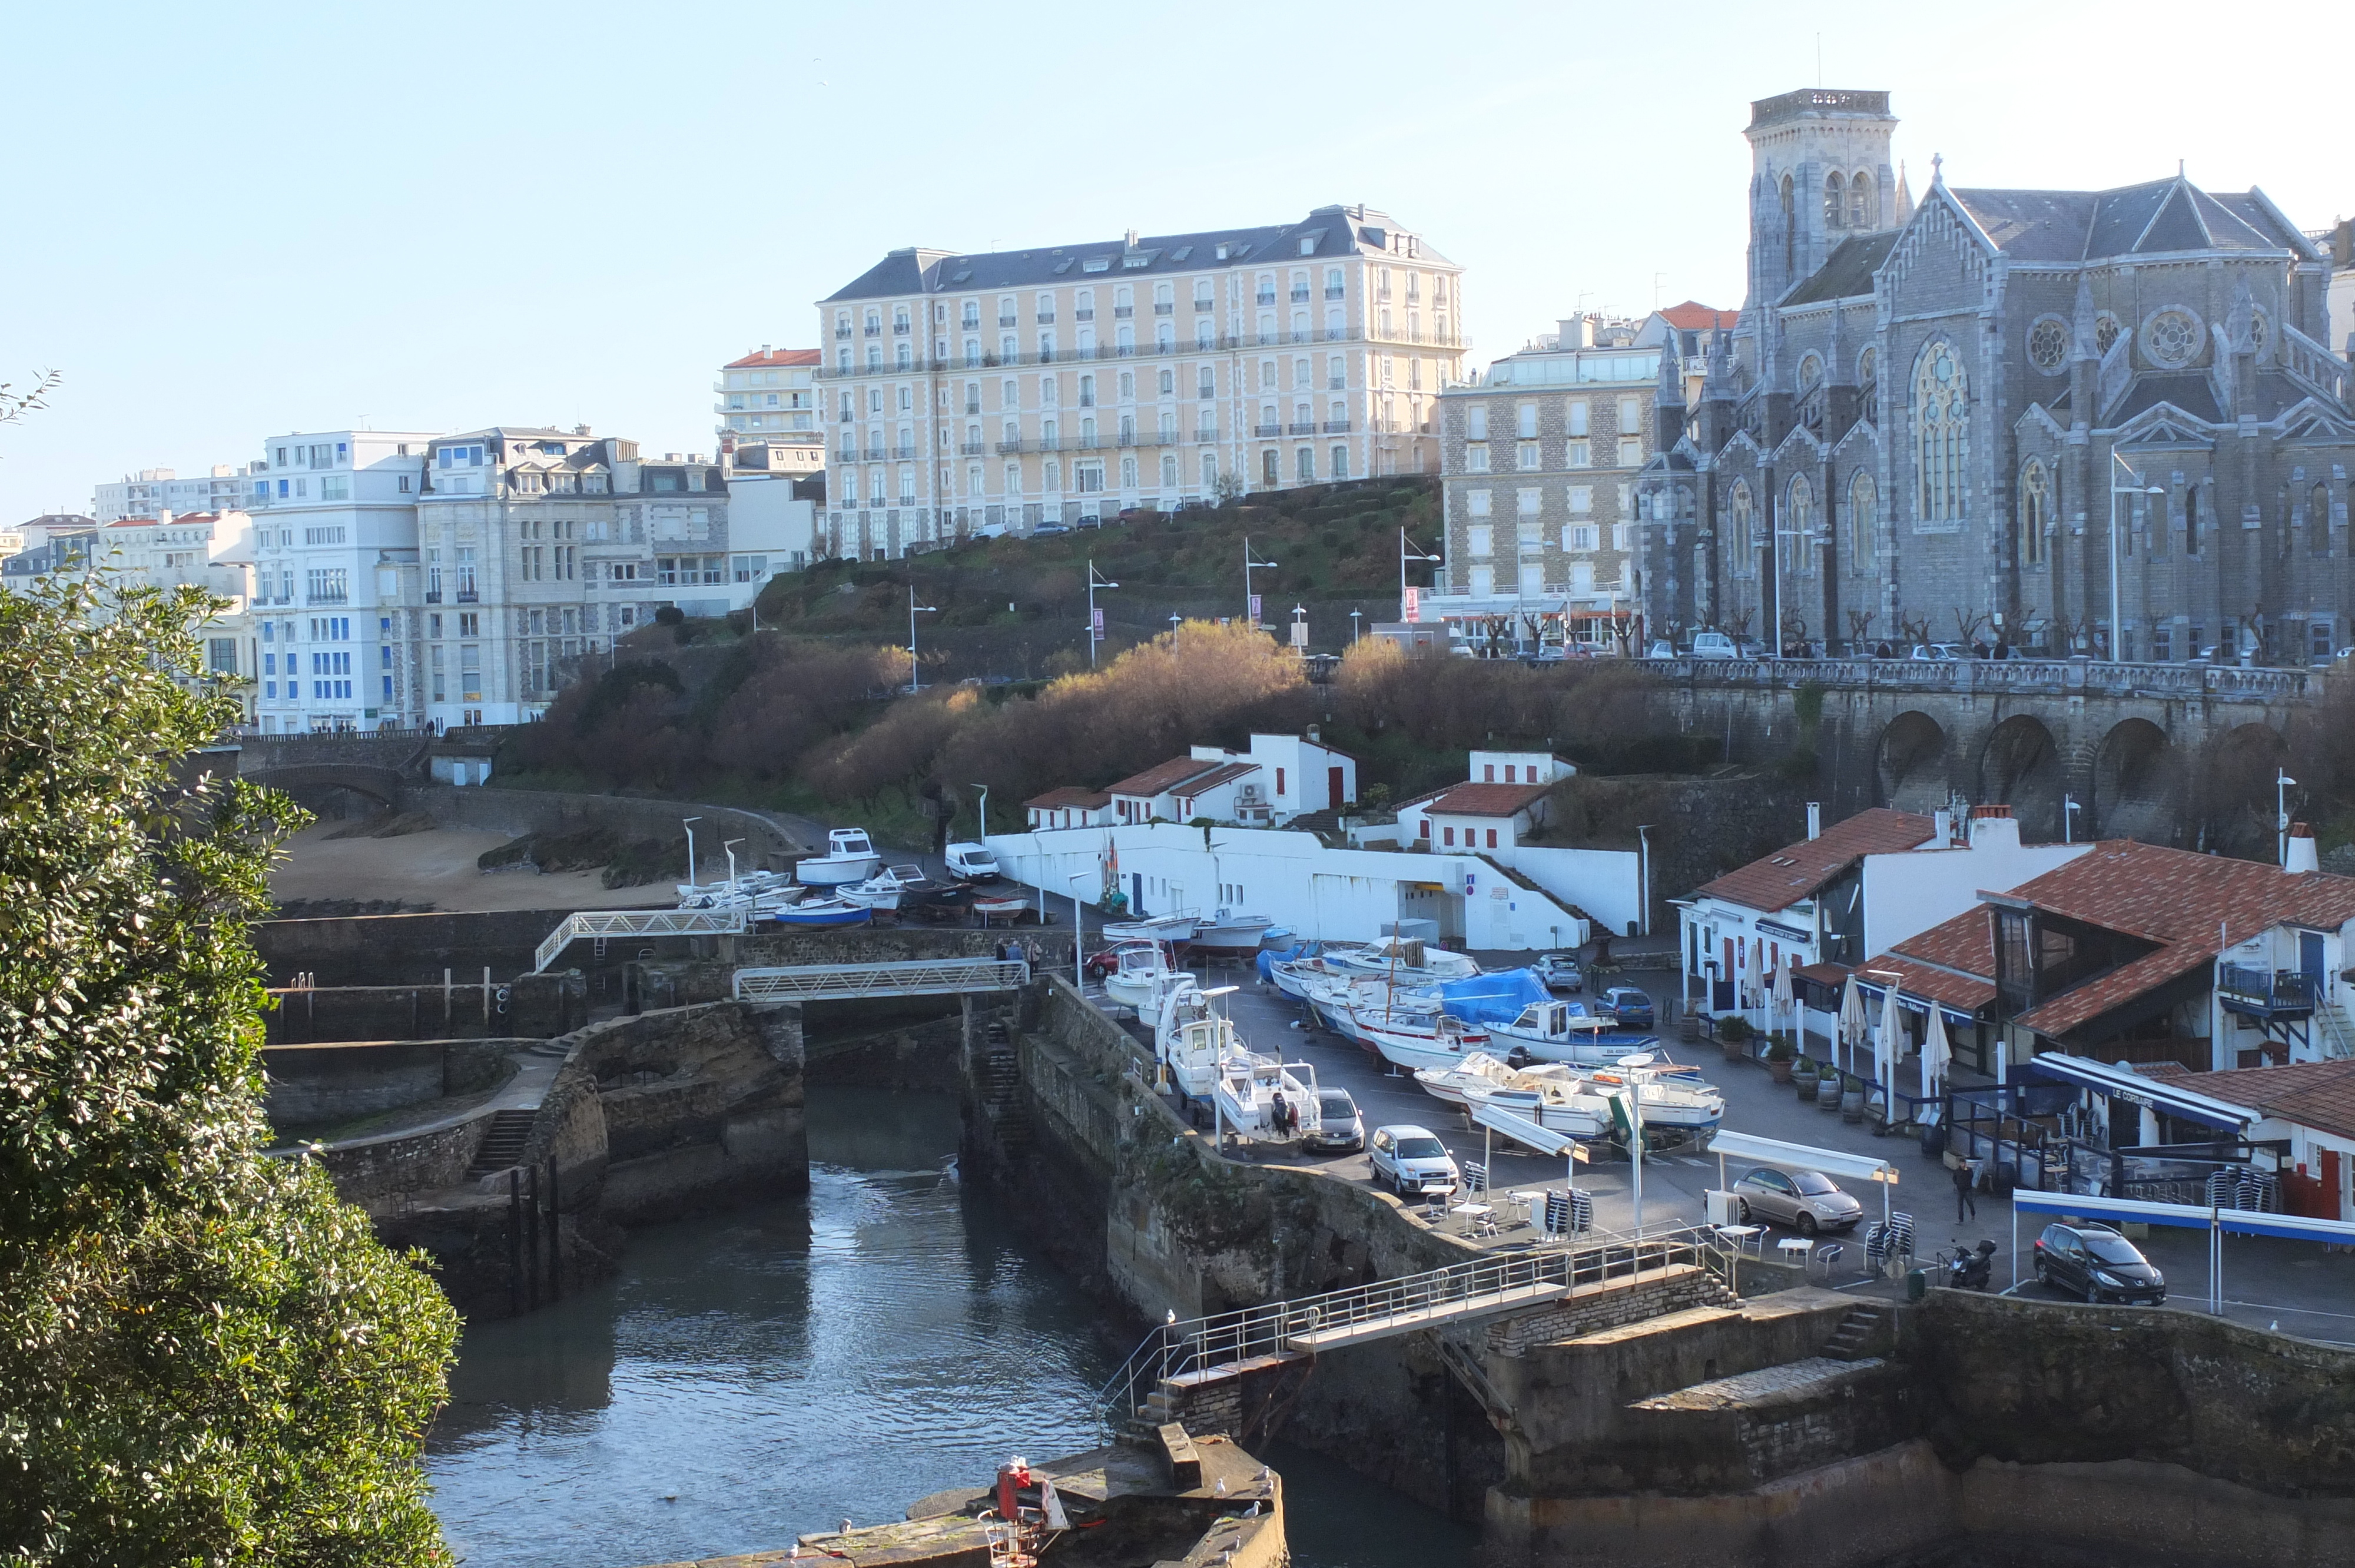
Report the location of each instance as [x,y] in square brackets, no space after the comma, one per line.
[1494,998]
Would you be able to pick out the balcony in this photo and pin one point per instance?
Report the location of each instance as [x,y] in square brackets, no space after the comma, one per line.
[1265,299]
[1163,307]
[841,334]
[1009,449]
[466,596]
[1006,321]
[1045,318]
[1205,302]
[432,596]
[1335,294]
[1337,427]
[1123,312]
[904,453]
[1301,428]
[1084,313]
[1299,296]
[970,449]
[899,329]
[1207,435]
[874,329]
[874,454]
[1264,431]
[2264,993]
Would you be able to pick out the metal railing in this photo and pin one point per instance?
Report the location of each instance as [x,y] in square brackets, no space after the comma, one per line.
[925,977]
[2085,677]
[1220,343]
[1484,1287]
[2248,986]
[636,922]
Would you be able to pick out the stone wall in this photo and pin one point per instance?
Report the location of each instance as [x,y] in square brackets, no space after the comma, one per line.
[707,972]
[767,846]
[404,949]
[315,1085]
[369,1171]
[537,1007]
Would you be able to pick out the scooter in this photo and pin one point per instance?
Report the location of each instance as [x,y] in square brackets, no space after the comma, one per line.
[1969,1270]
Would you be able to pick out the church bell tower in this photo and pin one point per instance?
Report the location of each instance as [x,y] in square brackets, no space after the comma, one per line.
[1820,174]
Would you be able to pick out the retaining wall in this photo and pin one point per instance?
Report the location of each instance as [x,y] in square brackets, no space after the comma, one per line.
[321,1085]
[536,1007]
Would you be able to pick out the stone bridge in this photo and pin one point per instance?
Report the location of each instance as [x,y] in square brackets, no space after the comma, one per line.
[377,764]
[2168,753]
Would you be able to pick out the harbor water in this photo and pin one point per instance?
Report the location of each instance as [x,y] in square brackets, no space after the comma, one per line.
[784,1366]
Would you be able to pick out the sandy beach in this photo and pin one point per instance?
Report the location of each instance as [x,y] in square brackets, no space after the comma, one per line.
[438,868]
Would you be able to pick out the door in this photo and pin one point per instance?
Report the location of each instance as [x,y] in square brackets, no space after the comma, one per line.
[1721,993]
[1334,794]
[1136,895]
[2309,964]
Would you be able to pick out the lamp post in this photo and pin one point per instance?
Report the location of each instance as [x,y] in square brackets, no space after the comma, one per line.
[985,811]
[1404,557]
[1643,875]
[1175,620]
[2134,487]
[2282,782]
[1250,610]
[1300,629]
[1354,632]
[1079,948]
[728,846]
[915,680]
[1095,627]
[2069,809]
[690,822]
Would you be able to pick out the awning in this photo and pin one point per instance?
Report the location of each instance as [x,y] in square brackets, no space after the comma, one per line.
[1801,1156]
[2119,1083]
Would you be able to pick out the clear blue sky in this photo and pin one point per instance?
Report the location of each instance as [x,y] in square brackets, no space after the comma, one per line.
[228,221]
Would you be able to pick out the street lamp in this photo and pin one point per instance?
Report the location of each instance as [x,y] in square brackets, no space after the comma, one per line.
[1354,632]
[1251,605]
[2136,487]
[1644,874]
[2069,809]
[1404,557]
[2282,782]
[1300,628]
[1175,620]
[730,846]
[1095,627]
[1079,948]
[985,811]
[915,681]
[690,822]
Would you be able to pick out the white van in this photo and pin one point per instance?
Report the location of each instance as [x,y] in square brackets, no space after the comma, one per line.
[1713,645]
[972,862]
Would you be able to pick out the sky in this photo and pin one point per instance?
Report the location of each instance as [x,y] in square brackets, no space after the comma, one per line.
[230,221]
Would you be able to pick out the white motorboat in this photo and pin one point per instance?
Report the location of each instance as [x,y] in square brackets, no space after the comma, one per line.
[880,891]
[1141,975]
[1266,1099]
[1189,1035]
[1406,961]
[1178,928]
[1417,1042]
[849,857]
[1552,1097]
[1671,1098]
[1561,1032]
[1228,932]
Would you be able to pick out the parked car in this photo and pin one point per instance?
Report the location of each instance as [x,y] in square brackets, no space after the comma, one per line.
[1043,529]
[1661,649]
[1409,1160]
[2098,1264]
[1560,971]
[1629,1005]
[1339,1128]
[1806,1201]
[972,862]
[1938,652]
[1713,645]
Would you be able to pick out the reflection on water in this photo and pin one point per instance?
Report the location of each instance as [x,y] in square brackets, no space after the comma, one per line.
[780,1367]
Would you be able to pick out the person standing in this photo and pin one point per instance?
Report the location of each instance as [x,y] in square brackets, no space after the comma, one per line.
[1966,1204]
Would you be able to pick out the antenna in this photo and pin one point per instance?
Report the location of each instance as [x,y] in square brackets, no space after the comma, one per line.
[1819,61]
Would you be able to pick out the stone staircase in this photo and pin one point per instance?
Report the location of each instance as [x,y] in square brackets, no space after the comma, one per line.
[1001,1094]
[503,1145]
[1853,1340]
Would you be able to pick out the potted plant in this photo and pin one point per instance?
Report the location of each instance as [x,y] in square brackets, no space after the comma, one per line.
[1733,1037]
[1804,1074]
[1778,1057]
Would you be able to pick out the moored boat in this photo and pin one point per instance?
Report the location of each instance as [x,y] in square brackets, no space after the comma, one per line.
[849,856]
[820,912]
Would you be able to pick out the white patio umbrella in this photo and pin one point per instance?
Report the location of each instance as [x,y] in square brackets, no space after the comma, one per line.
[1785,1005]
[1935,1051]
[1886,1043]
[1852,1027]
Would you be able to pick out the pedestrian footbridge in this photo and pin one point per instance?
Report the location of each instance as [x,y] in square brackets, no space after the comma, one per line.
[907,977]
[605,924]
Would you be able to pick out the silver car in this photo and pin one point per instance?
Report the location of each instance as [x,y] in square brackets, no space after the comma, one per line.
[1339,1125]
[1806,1201]
[1410,1159]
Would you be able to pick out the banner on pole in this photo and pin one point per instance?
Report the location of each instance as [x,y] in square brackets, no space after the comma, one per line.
[1097,628]
[1254,610]
[1414,606]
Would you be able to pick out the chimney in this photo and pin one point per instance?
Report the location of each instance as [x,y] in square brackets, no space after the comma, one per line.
[1131,243]
[1994,827]
[1942,828]
[1316,735]
[1815,819]
[2299,855]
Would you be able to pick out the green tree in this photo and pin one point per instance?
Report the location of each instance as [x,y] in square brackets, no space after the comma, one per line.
[204,1357]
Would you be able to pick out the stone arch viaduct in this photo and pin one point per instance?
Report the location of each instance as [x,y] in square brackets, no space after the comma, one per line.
[2180,754]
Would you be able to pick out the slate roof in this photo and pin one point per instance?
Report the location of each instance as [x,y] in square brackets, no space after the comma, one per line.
[2153,218]
[1781,879]
[1337,231]
[1069,795]
[1486,799]
[1847,272]
[2320,1094]
[2189,390]
[1161,779]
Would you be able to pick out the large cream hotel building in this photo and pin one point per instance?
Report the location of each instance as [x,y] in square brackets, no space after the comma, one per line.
[1003,392]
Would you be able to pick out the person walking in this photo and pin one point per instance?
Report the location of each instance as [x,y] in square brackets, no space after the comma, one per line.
[1967,1203]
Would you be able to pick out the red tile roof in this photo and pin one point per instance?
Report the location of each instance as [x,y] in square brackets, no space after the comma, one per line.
[1070,795]
[1965,993]
[1486,799]
[1160,779]
[2320,1094]
[1789,874]
[780,356]
[1693,315]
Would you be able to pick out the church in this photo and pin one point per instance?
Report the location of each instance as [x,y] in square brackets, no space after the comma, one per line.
[2037,420]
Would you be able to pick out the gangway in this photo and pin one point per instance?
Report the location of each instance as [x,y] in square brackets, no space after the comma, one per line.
[603,923]
[907,977]
[1204,1349]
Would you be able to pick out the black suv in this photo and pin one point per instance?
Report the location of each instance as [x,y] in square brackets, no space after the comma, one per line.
[2098,1264]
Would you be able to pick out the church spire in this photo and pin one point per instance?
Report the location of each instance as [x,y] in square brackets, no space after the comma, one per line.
[2084,342]
[1904,197]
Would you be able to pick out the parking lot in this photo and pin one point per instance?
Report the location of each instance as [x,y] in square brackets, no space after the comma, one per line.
[2296,1287]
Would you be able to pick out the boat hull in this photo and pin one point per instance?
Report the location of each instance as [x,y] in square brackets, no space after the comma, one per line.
[834,871]
[827,912]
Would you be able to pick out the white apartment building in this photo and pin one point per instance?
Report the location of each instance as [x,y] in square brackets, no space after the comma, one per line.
[767,399]
[964,393]
[152,491]
[333,622]
[1540,458]
[541,547]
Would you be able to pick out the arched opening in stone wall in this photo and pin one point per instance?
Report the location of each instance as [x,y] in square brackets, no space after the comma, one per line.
[2137,785]
[2234,804]
[2020,766]
[1910,763]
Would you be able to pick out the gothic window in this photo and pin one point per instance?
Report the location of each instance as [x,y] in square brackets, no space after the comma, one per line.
[1811,394]
[1863,519]
[2318,521]
[2106,328]
[2035,512]
[1863,212]
[1835,201]
[2171,338]
[2259,331]
[1800,508]
[1868,385]
[1941,441]
[1790,229]
[1744,542]
[2048,345]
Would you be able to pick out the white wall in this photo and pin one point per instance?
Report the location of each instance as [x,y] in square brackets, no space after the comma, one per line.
[1319,894]
[1606,884]
[1907,893]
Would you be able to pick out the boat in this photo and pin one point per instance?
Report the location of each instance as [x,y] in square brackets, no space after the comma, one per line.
[880,891]
[849,857]
[1559,1031]
[1671,1098]
[820,912]
[1552,1095]
[1231,935]
[1264,1099]
[1414,1043]
[918,887]
[1405,961]
[1159,928]
[1189,1035]
[989,906]
[1140,976]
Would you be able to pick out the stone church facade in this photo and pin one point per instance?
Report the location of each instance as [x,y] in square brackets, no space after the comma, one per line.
[1920,428]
